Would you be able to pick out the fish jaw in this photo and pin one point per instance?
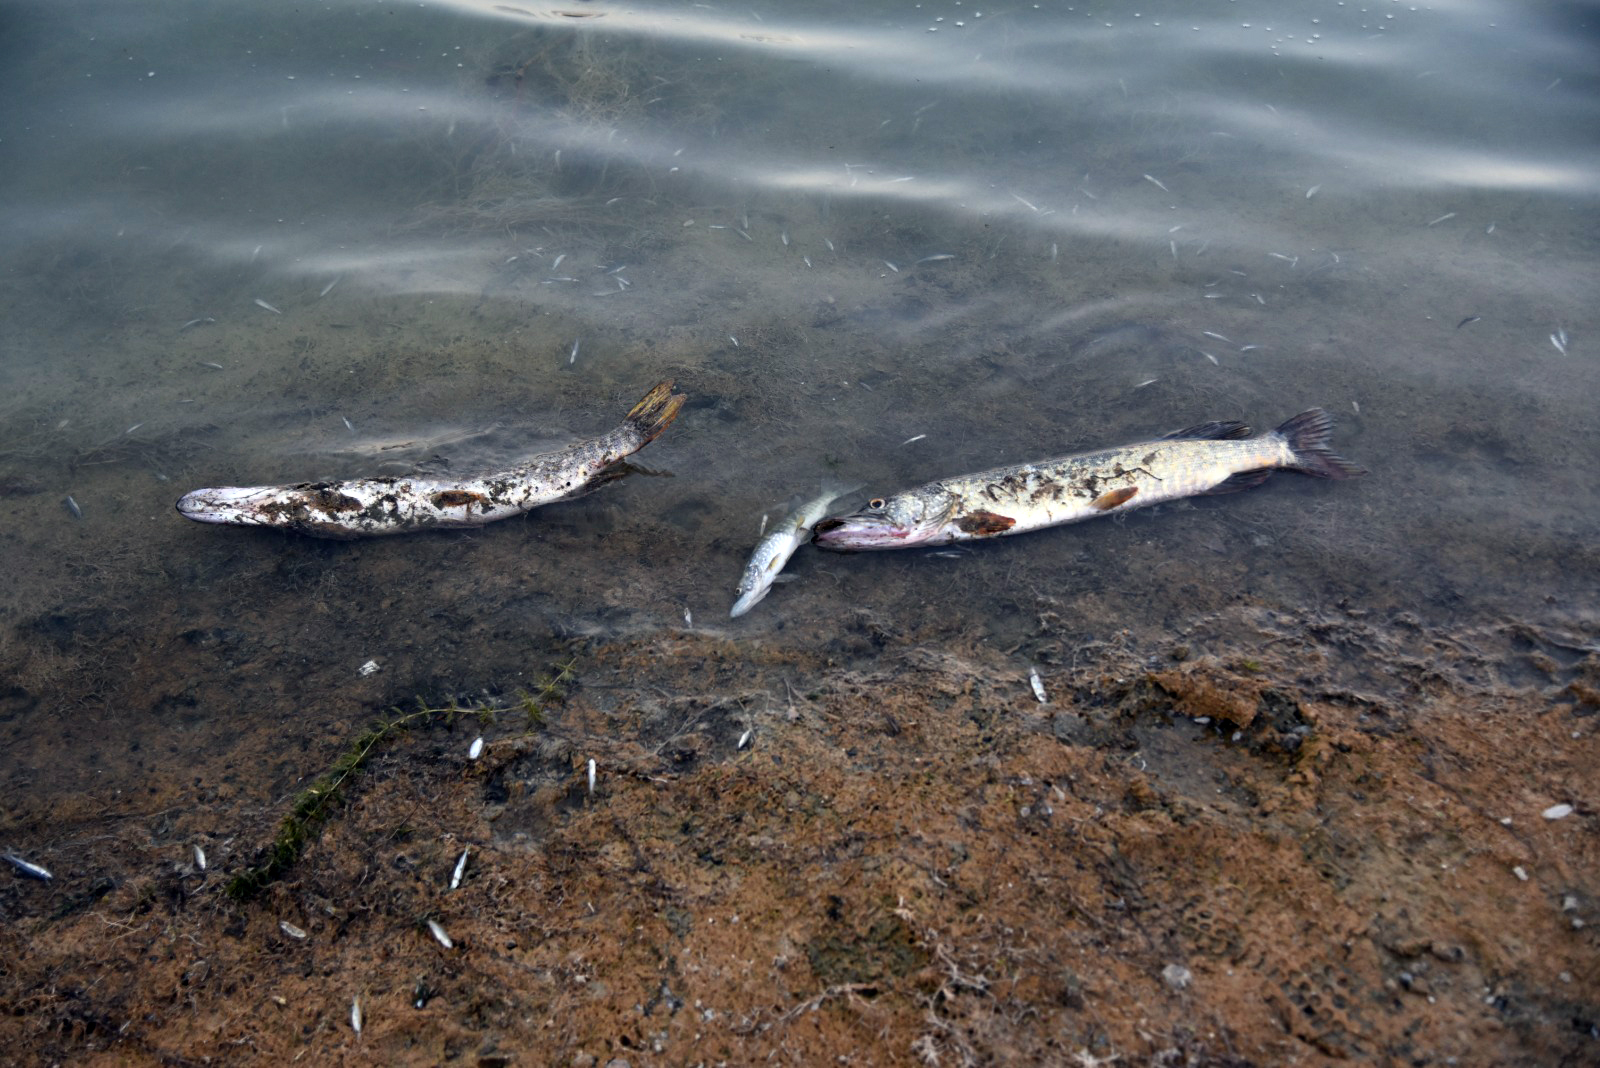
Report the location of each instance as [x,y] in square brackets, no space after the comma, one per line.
[899,523]
[748,599]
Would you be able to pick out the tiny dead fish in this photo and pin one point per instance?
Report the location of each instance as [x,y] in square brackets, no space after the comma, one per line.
[71,506]
[27,868]
[1442,218]
[1468,319]
[593,768]
[199,858]
[196,322]
[1211,458]
[1038,685]
[774,550]
[476,749]
[744,739]
[263,304]
[329,287]
[461,868]
[291,930]
[355,1015]
[937,257]
[1157,183]
[439,935]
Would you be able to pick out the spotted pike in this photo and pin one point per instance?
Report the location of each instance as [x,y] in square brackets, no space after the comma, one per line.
[367,507]
[1206,459]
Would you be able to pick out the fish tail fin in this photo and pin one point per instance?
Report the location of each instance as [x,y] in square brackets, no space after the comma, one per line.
[657,411]
[1307,437]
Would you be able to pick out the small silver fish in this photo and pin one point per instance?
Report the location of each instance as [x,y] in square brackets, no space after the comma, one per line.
[31,870]
[774,550]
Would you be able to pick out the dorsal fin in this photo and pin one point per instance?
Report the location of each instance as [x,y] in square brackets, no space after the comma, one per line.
[1213,430]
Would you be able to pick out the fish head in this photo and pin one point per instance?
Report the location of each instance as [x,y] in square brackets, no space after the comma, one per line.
[897,522]
[750,595]
[242,505]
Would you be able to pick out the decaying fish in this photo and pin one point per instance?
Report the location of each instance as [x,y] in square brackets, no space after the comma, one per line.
[774,550]
[371,506]
[1205,459]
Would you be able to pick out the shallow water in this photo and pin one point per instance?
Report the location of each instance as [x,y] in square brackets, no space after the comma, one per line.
[875,243]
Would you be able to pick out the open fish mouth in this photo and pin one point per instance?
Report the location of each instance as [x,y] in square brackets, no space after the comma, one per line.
[844,533]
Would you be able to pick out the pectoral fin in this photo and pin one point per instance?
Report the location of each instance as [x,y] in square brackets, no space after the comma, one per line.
[1110,499]
[984,524]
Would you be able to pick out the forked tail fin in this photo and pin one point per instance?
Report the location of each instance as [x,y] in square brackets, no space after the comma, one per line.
[657,411]
[1307,436]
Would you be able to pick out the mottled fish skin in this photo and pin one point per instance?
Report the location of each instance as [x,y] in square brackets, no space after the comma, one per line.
[369,507]
[1210,458]
[774,550]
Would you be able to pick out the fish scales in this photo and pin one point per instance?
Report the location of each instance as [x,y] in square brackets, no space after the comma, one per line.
[1217,457]
[370,507]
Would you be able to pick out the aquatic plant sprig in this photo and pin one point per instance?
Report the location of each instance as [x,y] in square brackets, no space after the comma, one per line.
[314,806]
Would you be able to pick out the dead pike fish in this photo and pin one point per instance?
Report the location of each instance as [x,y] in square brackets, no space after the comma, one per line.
[1206,459]
[369,507]
[774,550]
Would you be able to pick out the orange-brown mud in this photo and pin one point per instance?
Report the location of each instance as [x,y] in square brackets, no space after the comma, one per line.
[911,861]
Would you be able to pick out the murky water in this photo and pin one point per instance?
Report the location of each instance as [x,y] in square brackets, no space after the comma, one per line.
[875,243]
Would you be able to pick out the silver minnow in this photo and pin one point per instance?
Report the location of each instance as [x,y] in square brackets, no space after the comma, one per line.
[1210,458]
[368,507]
[774,550]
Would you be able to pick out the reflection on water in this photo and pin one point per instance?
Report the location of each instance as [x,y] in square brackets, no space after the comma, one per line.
[879,243]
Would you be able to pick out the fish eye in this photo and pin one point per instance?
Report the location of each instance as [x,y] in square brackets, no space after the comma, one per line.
[876,504]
